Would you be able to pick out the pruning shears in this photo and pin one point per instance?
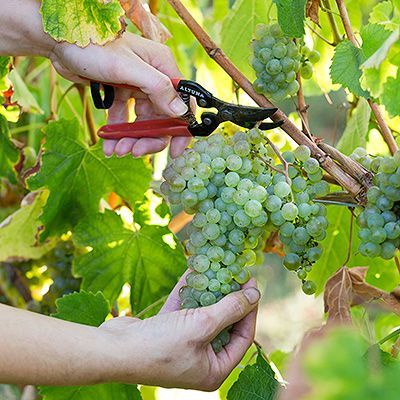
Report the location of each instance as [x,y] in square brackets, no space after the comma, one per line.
[187,125]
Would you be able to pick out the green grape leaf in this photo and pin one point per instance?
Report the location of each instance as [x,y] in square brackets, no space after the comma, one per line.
[83,308]
[105,391]
[237,31]
[9,155]
[18,231]
[391,95]
[4,69]
[22,94]
[146,257]
[373,37]
[291,16]
[88,309]
[257,381]
[78,176]
[382,13]
[355,134]
[381,273]
[345,68]
[82,22]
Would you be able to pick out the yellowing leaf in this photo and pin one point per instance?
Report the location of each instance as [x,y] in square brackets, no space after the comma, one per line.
[18,232]
[82,22]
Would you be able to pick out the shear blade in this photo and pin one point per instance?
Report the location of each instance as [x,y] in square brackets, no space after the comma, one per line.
[265,126]
[243,114]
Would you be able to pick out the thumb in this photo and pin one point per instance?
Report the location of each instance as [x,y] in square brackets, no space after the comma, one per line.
[231,309]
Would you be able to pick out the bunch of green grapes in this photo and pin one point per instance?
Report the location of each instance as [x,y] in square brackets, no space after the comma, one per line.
[277,59]
[238,196]
[301,221]
[59,264]
[380,219]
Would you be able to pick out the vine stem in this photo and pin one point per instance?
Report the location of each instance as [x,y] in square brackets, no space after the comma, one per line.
[335,31]
[302,108]
[319,35]
[385,130]
[344,179]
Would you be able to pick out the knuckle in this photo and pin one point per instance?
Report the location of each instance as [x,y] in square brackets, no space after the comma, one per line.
[238,306]
[211,384]
[161,84]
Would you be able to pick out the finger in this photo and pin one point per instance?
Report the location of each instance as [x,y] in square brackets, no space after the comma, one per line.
[149,145]
[108,147]
[124,146]
[154,83]
[231,308]
[241,338]
[119,111]
[178,145]
[173,302]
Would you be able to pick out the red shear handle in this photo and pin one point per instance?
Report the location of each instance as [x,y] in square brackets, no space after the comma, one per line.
[145,129]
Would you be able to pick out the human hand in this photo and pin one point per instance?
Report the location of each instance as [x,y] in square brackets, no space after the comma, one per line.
[138,62]
[172,349]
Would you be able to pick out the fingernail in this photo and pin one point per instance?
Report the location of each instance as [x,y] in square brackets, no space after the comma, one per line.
[177,106]
[252,295]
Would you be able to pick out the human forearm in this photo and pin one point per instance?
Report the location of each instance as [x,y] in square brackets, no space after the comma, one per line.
[21,29]
[35,349]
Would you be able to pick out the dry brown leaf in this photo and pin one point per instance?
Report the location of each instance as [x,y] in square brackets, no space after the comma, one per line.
[145,21]
[274,245]
[364,293]
[338,296]
[312,8]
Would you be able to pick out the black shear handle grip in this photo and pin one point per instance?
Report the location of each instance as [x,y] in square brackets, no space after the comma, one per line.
[102,102]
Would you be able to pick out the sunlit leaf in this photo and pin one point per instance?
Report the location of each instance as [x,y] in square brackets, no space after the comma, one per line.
[24,224]
[82,22]
[391,95]
[137,255]
[355,134]
[78,176]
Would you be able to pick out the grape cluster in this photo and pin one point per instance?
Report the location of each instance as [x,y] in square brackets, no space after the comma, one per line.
[59,263]
[238,196]
[380,221]
[276,60]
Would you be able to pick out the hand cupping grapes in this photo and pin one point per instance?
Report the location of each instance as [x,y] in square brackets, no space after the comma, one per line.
[238,196]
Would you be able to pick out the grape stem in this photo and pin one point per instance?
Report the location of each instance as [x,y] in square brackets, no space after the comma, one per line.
[384,128]
[319,35]
[343,178]
[396,260]
[350,239]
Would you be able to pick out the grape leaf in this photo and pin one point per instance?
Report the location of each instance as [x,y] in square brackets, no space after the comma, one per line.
[82,22]
[88,309]
[345,67]
[136,255]
[382,13]
[78,176]
[373,36]
[22,94]
[355,134]
[105,391]
[291,16]
[9,155]
[24,224]
[257,381]
[83,308]
[237,30]
[391,95]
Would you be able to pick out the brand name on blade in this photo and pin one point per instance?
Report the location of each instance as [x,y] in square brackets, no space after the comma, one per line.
[191,91]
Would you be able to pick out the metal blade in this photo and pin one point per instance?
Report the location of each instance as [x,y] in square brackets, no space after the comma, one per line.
[265,126]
